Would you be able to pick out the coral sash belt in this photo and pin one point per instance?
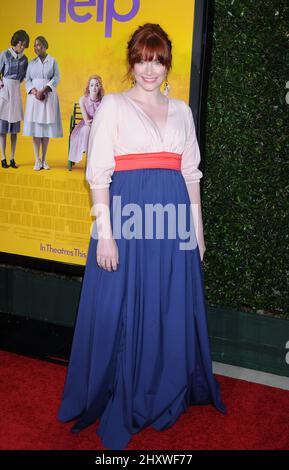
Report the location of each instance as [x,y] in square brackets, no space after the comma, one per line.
[136,161]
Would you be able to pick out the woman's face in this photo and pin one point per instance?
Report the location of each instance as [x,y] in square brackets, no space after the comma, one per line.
[19,48]
[149,75]
[39,49]
[93,86]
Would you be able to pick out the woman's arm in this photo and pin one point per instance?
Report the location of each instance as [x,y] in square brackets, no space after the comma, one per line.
[30,90]
[28,81]
[54,80]
[196,205]
[25,67]
[107,250]
[99,170]
[190,162]
[85,116]
[100,209]
[2,67]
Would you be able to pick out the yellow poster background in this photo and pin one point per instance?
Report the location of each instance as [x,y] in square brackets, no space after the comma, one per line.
[46,214]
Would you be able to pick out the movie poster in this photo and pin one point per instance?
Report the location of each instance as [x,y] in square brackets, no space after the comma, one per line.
[46,214]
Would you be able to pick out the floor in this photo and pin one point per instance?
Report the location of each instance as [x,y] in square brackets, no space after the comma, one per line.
[251,375]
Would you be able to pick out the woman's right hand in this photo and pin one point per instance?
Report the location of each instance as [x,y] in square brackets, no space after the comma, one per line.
[88,122]
[107,254]
[40,95]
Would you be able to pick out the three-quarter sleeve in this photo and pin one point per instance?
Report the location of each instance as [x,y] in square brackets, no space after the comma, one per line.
[100,161]
[191,156]
[56,76]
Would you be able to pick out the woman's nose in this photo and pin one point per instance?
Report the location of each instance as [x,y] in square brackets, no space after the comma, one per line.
[148,67]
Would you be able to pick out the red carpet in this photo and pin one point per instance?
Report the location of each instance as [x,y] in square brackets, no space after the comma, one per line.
[30,391]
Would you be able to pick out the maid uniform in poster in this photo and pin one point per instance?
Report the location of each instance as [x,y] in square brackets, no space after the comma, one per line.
[42,118]
[13,68]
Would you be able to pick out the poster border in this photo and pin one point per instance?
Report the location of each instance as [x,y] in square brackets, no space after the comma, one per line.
[197,102]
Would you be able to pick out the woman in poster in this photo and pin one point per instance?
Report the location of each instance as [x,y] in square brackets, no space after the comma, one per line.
[141,354]
[88,103]
[13,66]
[42,118]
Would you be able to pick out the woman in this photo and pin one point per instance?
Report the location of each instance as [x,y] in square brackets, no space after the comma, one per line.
[140,354]
[42,118]
[13,66]
[88,105]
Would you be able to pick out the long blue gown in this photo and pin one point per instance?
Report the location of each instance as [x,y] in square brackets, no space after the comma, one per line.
[141,353]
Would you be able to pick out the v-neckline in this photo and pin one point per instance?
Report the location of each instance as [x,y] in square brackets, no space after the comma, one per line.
[162,136]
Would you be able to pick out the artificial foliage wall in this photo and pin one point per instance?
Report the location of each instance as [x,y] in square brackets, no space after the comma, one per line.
[246,183]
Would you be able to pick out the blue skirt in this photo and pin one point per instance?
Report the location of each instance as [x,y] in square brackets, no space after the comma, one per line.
[140,354]
[9,127]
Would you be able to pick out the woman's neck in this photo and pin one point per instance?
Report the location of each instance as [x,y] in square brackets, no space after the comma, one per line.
[42,57]
[93,96]
[152,98]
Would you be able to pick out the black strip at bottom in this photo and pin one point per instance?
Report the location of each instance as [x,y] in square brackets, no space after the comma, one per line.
[36,339]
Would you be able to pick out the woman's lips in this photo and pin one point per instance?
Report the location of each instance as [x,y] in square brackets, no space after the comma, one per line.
[149,80]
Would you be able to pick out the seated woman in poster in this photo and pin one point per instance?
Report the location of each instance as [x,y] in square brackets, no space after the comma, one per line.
[88,104]
[42,118]
[13,66]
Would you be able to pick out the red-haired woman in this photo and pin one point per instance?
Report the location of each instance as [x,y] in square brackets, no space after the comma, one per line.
[88,103]
[141,353]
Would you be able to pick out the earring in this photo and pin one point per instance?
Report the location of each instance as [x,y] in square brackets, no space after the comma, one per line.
[166,88]
[132,82]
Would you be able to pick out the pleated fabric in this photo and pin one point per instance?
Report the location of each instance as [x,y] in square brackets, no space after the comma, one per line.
[141,354]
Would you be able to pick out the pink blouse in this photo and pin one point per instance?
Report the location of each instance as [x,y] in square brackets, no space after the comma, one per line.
[121,127]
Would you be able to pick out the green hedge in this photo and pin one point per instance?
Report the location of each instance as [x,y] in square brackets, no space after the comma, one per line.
[245,193]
